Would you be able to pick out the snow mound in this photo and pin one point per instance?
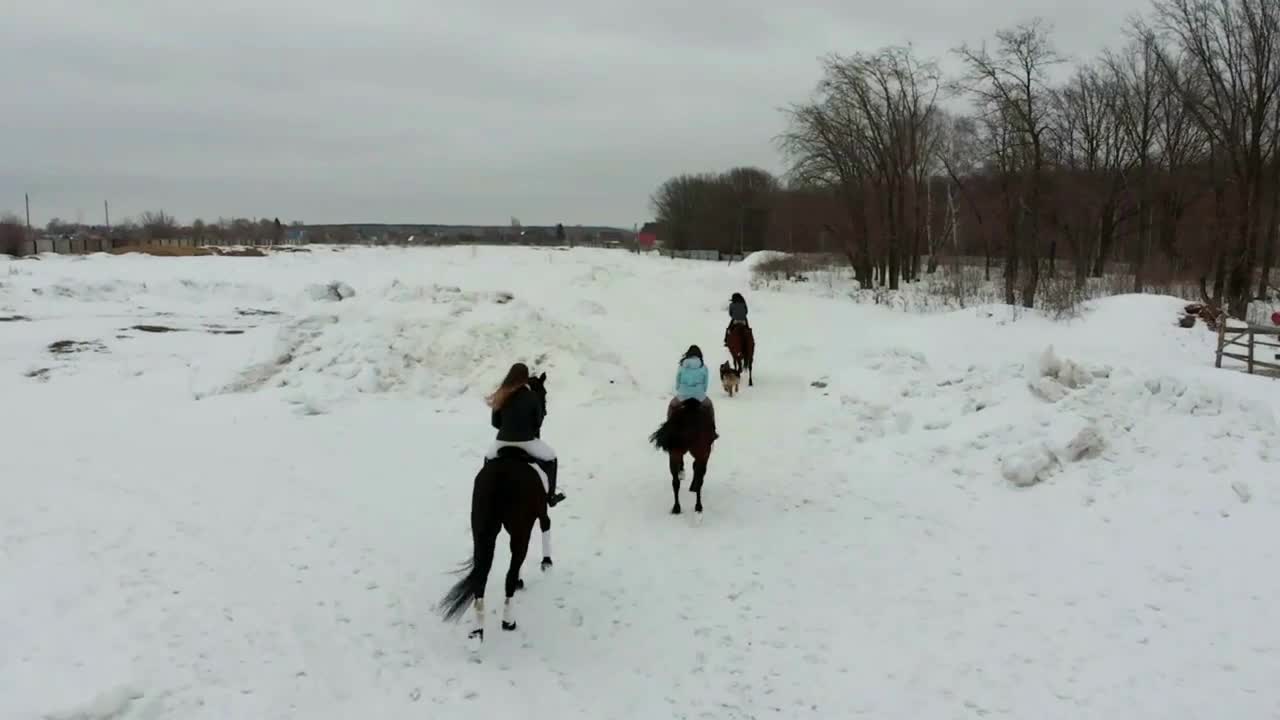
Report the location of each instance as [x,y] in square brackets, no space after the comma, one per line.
[448,343]
[1027,466]
[1056,377]
[758,258]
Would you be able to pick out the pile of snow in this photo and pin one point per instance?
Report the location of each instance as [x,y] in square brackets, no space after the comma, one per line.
[760,257]
[430,341]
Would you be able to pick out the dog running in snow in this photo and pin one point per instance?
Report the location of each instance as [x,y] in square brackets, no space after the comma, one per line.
[729,378]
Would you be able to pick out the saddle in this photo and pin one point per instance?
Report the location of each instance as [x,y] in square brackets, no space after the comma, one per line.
[746,329]
[516,453]
[543,468]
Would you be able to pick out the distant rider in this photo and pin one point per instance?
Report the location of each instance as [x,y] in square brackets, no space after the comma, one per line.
[737,314]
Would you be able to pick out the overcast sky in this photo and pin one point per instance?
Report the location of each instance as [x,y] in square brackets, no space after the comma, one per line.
[449,111]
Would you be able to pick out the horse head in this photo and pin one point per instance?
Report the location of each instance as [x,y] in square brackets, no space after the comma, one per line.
[538,384]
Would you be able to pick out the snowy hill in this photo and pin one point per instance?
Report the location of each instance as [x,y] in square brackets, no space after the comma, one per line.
[235,487]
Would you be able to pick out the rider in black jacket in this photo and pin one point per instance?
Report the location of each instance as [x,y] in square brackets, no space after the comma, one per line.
[517,415]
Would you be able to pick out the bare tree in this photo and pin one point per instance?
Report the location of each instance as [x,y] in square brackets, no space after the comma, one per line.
[824,143]
[1141,96]
[869,131]
[1010,85]
[13,235]
[158,225]
[1232,49]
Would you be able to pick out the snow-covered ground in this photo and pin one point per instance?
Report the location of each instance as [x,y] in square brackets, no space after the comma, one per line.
[945,516]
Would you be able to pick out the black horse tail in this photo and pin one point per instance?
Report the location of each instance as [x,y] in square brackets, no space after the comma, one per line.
[486,521]
[675,432]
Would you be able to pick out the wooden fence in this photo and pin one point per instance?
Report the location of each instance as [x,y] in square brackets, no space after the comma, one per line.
[1251,338]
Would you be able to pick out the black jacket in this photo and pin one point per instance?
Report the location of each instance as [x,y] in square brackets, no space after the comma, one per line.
[520,418]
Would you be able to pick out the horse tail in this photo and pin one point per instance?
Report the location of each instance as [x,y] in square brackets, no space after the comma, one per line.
[673,434]
[486,521]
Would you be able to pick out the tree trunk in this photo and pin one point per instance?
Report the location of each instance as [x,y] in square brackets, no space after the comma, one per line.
[1269,244]
[1142,245]
[1106,239]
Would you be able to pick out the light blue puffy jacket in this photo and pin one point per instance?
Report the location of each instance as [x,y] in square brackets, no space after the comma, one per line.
[691,380]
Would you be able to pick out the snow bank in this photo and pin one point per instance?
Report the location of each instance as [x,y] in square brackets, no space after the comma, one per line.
[425,340]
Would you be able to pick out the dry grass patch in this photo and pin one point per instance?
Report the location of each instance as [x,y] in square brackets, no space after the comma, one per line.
[162,250]
[184,251]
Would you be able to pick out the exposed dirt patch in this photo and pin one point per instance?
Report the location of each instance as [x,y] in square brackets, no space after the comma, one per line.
[14,318]
[253,312]
[290,249]
[163,250]
[223,330]
[181,251]
[211,329]
[67,347]
[41,374]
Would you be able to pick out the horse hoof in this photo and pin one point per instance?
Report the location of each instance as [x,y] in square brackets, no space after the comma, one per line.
[508,626]
[698,509]
[546,564]
[675,510]
[476,635]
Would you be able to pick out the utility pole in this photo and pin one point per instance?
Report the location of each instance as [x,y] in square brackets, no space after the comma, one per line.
[106,214]
[27,198]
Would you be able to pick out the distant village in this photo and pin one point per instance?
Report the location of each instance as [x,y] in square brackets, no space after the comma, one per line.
[154,229]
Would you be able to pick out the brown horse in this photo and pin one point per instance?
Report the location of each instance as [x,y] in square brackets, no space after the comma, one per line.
[688,430]
[742,347]
[508,493]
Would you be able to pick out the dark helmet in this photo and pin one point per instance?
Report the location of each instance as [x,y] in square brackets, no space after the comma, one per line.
[693,351]
[737,297]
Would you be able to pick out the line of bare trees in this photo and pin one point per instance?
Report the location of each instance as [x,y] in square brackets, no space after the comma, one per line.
[1161,155]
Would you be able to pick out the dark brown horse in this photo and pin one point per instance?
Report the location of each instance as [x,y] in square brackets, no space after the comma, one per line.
[508,493]
[742,347]
[688,430]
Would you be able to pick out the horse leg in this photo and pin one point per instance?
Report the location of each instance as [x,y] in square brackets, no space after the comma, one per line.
[485,545]
[545,523]
[699,472]
[676,461]
[519,548]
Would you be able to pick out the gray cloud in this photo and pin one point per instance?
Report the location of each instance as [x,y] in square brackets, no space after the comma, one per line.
[413,111]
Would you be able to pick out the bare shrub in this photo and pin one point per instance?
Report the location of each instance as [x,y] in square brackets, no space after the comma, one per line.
[1061,297]
[13,236]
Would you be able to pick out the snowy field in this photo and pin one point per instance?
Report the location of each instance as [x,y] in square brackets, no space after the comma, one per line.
[908,516]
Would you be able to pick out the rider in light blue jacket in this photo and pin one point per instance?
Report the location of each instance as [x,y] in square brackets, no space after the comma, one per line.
[691,383]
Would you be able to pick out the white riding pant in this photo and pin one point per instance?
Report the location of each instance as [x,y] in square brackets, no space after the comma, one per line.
[536,447]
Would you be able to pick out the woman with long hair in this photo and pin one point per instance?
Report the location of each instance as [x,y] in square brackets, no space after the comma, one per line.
[517,414]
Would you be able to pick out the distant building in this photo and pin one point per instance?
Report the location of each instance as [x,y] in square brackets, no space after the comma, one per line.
[647,238]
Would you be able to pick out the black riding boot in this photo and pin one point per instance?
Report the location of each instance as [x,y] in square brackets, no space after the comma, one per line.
[550,467]
[711,413]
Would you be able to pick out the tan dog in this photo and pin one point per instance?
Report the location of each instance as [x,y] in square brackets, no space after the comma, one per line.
[729,378]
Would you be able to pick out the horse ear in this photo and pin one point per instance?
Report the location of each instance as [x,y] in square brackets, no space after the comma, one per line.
[543,377]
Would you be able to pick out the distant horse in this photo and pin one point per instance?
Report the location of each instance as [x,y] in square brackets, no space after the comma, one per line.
[508,493]
[741,342]
[688,430]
